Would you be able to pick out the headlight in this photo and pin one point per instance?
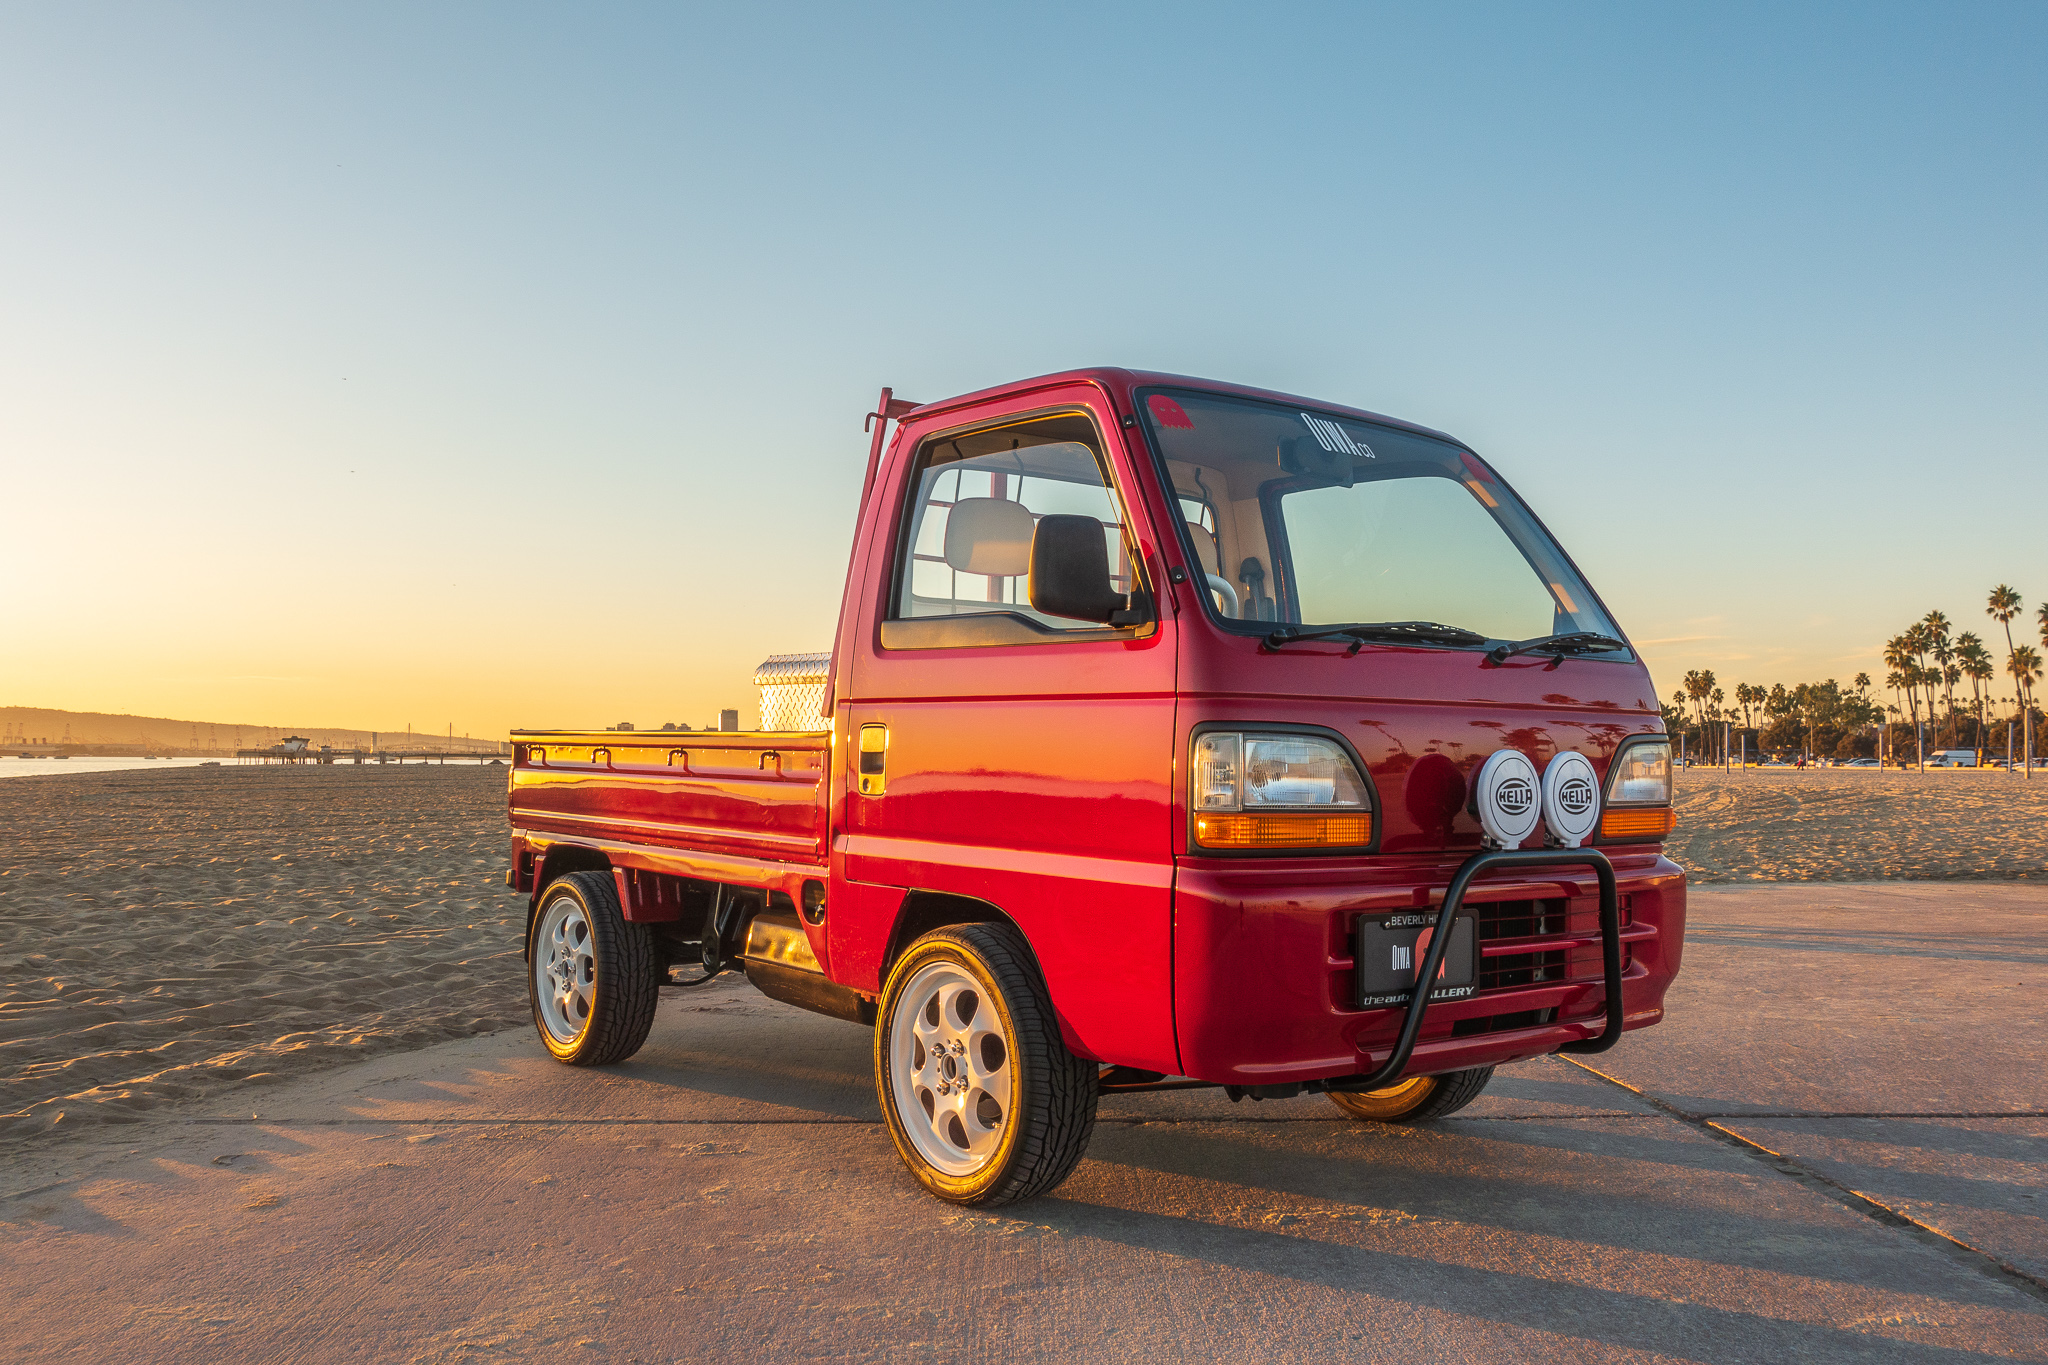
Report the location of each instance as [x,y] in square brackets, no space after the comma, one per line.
[1641,775]
[1639,781]
[1277,791]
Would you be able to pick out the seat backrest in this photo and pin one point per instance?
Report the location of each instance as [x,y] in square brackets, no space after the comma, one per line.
[1205,547]
[989,536]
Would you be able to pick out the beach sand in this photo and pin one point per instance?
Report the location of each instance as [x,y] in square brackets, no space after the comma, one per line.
[183,934]
[1860,825]
[170,935]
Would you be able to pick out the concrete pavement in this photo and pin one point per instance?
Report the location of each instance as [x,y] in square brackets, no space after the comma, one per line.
[1831,1151]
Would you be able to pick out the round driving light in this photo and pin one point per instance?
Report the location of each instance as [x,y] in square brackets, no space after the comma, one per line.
[1506,798]
[1571,799]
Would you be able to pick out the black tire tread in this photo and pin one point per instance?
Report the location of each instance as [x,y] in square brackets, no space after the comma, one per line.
[1454,1090]
[1056,1132]
[628,977]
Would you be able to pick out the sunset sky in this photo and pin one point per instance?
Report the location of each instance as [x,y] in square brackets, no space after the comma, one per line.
[503,365]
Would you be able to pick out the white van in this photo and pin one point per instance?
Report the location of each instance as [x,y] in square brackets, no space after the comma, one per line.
[1952,758]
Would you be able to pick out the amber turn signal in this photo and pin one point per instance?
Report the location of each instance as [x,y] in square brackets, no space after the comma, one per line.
[1637,826]
[1283,831]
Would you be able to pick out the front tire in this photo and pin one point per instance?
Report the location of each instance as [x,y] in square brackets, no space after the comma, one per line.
[592,981]
[1418,1099]
[982,1099]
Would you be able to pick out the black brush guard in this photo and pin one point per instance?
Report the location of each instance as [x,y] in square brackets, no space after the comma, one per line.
[1491,860]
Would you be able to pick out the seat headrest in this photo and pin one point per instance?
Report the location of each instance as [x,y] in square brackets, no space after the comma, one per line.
[1205,547]
[989,536]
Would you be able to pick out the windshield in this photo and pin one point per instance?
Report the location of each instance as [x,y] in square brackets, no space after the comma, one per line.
[1317,520]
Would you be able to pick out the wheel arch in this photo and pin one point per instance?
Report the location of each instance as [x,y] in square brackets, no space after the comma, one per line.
[923,911]
[558,861]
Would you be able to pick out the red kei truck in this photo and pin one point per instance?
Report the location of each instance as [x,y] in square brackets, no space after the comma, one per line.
[1175,734]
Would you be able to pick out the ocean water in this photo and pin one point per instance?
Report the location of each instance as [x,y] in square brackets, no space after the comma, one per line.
[10,766]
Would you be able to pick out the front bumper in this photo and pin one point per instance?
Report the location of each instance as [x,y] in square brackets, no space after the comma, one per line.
[1264,978]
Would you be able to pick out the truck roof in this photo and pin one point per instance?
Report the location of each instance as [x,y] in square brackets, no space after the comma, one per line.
[1122,382]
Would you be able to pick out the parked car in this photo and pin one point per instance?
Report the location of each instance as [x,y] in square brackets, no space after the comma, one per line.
[1148,747]
[1860,763]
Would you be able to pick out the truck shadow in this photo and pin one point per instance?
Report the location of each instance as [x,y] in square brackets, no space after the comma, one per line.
[1634,1188]
[1596,1303]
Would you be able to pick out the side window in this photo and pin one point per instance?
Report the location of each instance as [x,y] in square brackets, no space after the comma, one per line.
[975,502]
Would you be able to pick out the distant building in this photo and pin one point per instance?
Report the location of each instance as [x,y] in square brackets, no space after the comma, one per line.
[728,719]
[671,725]
[623,725]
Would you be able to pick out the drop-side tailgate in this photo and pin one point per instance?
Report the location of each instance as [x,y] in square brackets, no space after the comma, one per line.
[759,794]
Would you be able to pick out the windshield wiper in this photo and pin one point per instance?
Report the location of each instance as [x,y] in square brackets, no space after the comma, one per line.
[1381,633]
[1571,642]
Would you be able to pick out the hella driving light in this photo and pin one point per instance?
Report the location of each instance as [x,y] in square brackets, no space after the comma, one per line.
[1277,791]
[1507,798]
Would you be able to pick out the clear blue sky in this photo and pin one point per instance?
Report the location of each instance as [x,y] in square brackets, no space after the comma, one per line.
[545,315]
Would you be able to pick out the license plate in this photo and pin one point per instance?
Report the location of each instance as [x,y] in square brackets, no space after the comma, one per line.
[1388,949]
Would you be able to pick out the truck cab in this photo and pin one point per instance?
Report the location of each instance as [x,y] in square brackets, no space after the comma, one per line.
[1176,732]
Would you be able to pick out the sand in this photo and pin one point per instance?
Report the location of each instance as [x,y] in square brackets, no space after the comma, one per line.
[181,935]
[1860,825]
[171,935]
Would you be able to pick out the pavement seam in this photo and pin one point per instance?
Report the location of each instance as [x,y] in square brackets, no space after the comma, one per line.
[1975,1257]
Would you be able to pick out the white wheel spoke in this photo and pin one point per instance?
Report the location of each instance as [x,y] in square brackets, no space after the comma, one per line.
[564,970]
[948,1050]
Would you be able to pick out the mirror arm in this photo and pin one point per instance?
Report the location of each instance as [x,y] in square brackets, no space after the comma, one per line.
[1138,613]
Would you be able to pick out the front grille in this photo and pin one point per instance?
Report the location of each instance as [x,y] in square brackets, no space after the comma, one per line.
[1519,919]
[1505,920]
[1521,969]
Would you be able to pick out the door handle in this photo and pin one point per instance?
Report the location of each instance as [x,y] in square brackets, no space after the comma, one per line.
[874,757]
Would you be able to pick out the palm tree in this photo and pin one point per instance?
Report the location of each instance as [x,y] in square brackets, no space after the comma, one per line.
[1920,637]
[1934,629]
[1899,656]
[1699,683]
[2025,667]
[1976,665]
[1896,681]
[2002,606]
[1944,659]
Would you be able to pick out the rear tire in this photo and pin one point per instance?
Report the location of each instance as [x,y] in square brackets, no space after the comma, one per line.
[1417,1099]
[593,979]
[983,1101]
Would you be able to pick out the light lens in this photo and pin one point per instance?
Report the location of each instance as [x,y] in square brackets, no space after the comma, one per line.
[1283,831]
[1637,826]
[1278,791]
[1641,775]
[1299,770]
[1216,771]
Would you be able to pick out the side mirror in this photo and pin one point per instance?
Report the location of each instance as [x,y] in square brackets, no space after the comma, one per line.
[1070,570]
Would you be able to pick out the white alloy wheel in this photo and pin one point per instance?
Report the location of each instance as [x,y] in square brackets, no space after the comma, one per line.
[564,970]
[951,1069]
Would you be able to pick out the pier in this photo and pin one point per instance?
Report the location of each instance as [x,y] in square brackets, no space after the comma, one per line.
[295,750]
